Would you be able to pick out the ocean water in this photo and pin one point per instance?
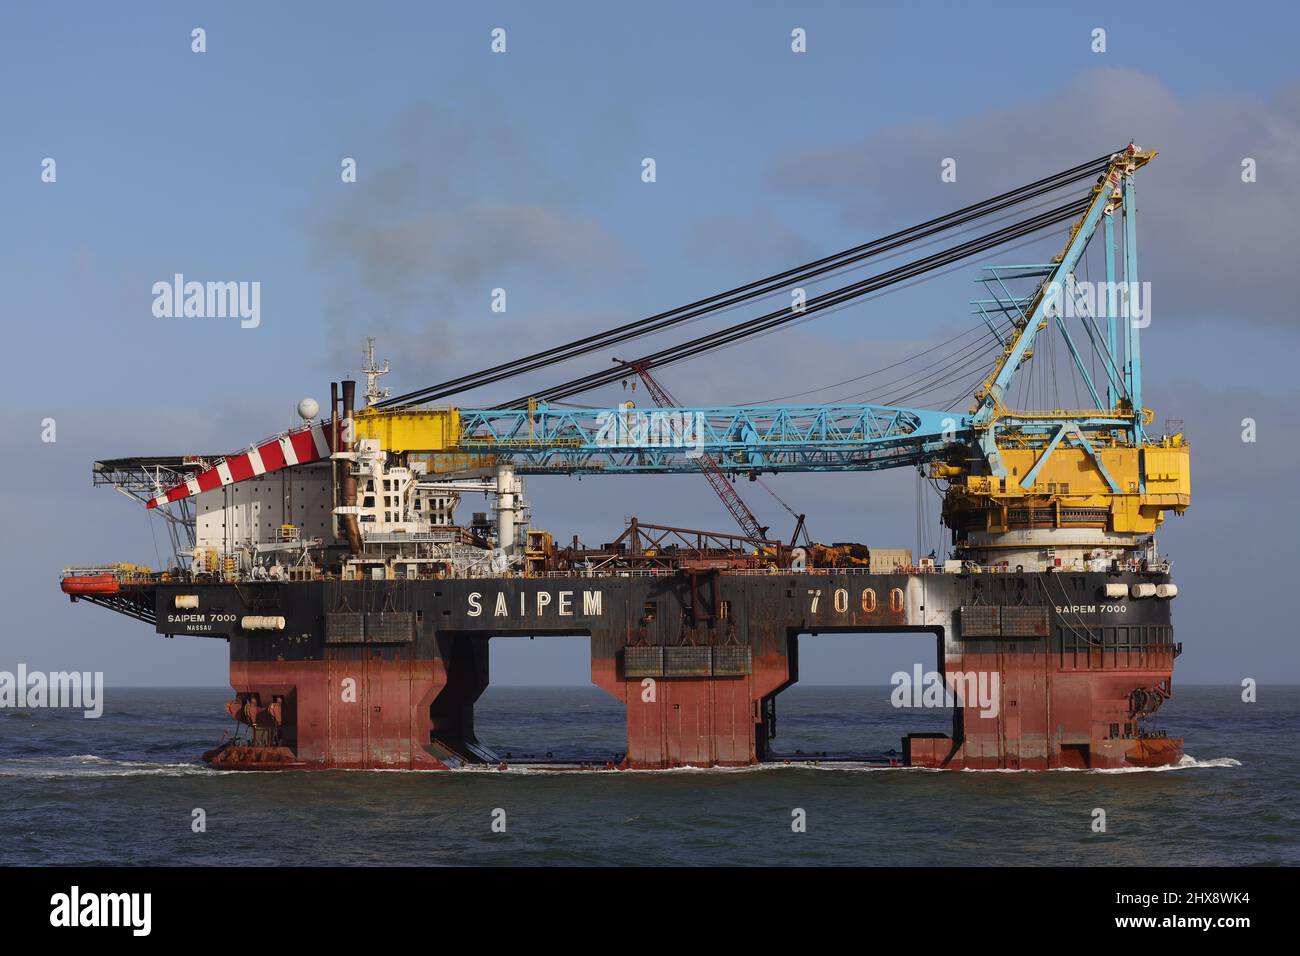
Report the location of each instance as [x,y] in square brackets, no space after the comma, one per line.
[123,790]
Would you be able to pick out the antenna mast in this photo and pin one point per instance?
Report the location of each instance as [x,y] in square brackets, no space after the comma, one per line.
[372,372]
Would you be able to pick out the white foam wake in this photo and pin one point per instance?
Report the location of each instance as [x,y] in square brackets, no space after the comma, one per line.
[90,765]
[1186,762]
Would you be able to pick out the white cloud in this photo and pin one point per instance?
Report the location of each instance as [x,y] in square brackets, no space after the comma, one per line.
[1210,244]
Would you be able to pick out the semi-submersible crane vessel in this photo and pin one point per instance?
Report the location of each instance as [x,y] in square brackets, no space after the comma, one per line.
[358,606]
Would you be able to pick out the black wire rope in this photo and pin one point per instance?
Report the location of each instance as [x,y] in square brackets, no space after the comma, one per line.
[752,289]
[786,315]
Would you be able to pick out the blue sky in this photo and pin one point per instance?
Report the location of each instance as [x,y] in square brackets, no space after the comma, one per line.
[522,170]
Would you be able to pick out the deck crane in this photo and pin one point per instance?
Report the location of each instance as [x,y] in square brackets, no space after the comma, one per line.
[708,467]
[1089,475]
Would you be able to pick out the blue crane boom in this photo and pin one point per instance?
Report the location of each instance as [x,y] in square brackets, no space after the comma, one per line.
[626,439]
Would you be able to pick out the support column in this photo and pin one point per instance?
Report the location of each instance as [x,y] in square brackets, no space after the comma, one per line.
[1134,352]
[1112,339]
[692,721]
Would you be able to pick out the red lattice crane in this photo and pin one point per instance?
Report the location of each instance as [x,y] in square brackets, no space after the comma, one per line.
[708,467]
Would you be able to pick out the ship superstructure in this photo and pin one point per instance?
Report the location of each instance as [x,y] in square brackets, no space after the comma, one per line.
[358,597]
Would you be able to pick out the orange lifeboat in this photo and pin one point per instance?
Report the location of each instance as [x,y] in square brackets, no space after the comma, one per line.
[90,584]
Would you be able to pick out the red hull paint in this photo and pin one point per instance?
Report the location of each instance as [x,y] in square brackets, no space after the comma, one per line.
[1054,714]
[405,714]
[382,721]
[697,722]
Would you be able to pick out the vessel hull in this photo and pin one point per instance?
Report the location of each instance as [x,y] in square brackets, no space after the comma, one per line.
[385,674]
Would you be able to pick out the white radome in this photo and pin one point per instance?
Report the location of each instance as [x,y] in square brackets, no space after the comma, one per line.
[308,408]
